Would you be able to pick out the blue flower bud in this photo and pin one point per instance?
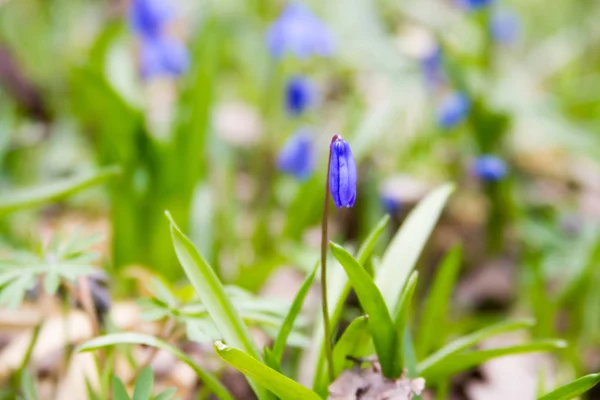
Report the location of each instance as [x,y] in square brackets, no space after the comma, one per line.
[297,157]
[299,95]
[452,110]
[390,204]
[505,26]
[299,32]
[163,56]
[489,168]
[342,173]
[148,17]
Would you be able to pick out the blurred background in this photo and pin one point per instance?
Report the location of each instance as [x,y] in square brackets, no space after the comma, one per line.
[221,112]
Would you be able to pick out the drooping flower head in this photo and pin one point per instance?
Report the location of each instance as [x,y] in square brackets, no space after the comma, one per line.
[489,168]
[299,95]
[149,17]
[342,173]
[163,56]
[299,32]
[505,26]
[452,110]
[297,157]
[160,54]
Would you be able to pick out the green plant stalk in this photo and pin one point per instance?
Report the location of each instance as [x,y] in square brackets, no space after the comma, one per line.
[326,322]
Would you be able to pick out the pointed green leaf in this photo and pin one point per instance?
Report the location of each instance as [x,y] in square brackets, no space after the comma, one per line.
[210,291]
[138,338]
[436,304]
[464,361]
[143,384]
[403,252]
[350,342]
[288,323]
[367,247]
[470,340]
[401,320]
[119,392]
[277,383]
[573,389]
[28,388]
[45,193]
[381,325]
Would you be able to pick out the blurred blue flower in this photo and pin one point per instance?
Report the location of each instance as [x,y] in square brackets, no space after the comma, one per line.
[163,56]
[300,32]
[474,4]
[390,204]
[505,26]
[148,17]
[299,95]
[342,173]
[159,54]
[431,65]
[297,157]
[452,110]
[489,168]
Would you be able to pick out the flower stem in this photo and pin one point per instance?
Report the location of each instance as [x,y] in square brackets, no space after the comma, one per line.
[326,322]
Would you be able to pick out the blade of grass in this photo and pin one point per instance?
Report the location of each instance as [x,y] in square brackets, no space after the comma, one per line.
[381,325]
[213,296]
[288,323]
[573,389]
[464,361]
[470,340]
[437,301]
[403,252]
[45,193]
[349,343]
[277,383]
[138,338]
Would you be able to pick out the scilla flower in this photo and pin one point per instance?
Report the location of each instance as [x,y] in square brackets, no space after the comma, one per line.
[452,110]
[342,173]
[297,157]
[299,32]
[432,68]
[299,95]
[474,4]
[160,54]
[489,168]
[505,26]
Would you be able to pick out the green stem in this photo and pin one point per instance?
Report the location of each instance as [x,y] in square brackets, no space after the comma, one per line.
[326,322]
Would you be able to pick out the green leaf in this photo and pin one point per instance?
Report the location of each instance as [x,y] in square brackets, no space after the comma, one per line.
[436,304]
[401,320]
[28,388]
[166,394]
[288,323]
[138,338]
[350,343]
[464,361]
[470,340]
[279,384]
[381,325]
[401,256]
[573,389]
[210,291]
[119,392]
[143,384]
[367,247]
[45,193]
